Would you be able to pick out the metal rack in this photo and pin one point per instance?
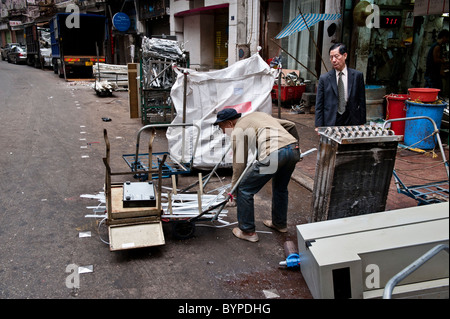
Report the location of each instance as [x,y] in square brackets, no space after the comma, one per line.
[157,78]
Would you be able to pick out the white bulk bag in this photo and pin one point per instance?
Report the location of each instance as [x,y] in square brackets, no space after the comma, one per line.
[246,86]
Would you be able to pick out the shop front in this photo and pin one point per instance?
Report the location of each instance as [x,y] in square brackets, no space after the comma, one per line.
[392,51]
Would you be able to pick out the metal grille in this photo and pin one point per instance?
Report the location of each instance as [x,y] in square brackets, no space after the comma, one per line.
[353,171]
[157,107]
[358,134]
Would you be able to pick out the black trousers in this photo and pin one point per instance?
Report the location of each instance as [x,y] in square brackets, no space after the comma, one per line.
[343,119]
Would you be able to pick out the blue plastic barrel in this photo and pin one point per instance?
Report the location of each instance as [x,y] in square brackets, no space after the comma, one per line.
[421,130]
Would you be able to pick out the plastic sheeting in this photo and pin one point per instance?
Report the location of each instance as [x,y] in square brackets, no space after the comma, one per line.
[161,49]
[244,86]
[45,48]
[46,54]
[158,55]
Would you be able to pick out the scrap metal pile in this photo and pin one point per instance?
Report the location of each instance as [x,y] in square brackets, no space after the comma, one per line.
[45,48]
[158,57]
[109,77]
[162,49]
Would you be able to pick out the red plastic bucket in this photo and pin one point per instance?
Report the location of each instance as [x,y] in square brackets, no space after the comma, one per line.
[423,94]
[396,109]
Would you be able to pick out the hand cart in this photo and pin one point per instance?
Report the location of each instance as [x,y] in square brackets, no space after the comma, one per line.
[140,224]
[134,225]
[436,192]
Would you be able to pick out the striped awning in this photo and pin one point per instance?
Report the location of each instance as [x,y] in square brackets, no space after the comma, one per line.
[298,24]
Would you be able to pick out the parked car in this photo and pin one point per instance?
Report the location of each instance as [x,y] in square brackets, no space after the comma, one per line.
[17,55]
[6,49]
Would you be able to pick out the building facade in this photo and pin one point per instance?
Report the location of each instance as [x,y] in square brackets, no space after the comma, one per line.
[217,33]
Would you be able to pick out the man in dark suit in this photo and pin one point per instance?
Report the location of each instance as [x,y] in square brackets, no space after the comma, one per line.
[341,97]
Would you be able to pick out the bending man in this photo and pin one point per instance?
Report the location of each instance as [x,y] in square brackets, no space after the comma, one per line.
[275,143]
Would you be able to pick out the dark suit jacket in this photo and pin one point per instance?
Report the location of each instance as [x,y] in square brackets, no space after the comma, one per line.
[327,99]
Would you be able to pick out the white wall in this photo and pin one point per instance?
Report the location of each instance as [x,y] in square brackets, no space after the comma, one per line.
[192,39]
[197,30]
[331,6]
[198,35]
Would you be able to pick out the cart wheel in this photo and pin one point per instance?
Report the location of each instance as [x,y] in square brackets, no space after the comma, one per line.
[183,229]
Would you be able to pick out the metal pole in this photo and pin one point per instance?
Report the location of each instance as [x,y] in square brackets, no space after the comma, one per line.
[208,177]
[387,294]
[250,164]
[161,126]
[184,95]
[217,165]
[312,38]
[184,115]
[157,76]
[279,94]
[315,75]
[98,64]
[436,132]
[222,204]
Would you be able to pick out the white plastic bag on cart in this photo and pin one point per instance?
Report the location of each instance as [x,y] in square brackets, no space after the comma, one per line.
[245,86]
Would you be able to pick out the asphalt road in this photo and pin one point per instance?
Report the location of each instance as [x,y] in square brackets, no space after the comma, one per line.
[51,149]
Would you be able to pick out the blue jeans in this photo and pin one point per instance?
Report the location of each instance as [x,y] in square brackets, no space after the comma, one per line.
[256,178]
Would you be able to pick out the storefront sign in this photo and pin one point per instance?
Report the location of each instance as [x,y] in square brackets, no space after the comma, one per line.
[14,23]
[121,22]
[428,7]
[438,6]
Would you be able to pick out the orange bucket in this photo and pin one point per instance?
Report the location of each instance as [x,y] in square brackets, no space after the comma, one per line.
[423,94]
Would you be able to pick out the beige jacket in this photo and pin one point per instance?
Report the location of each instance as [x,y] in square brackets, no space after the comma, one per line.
[259,132]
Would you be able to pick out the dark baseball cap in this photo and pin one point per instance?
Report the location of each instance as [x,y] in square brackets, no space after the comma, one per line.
[227,114]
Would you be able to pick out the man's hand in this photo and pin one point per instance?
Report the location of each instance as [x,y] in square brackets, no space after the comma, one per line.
[231,202]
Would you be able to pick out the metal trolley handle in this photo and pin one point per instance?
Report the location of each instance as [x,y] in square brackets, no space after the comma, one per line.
[436,131]
[135,163]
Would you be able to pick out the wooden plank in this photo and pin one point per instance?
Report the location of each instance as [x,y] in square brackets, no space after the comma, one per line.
[133,220]
[133,90]
[136,236]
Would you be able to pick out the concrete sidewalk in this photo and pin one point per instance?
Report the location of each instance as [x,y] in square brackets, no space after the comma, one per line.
[413,168]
